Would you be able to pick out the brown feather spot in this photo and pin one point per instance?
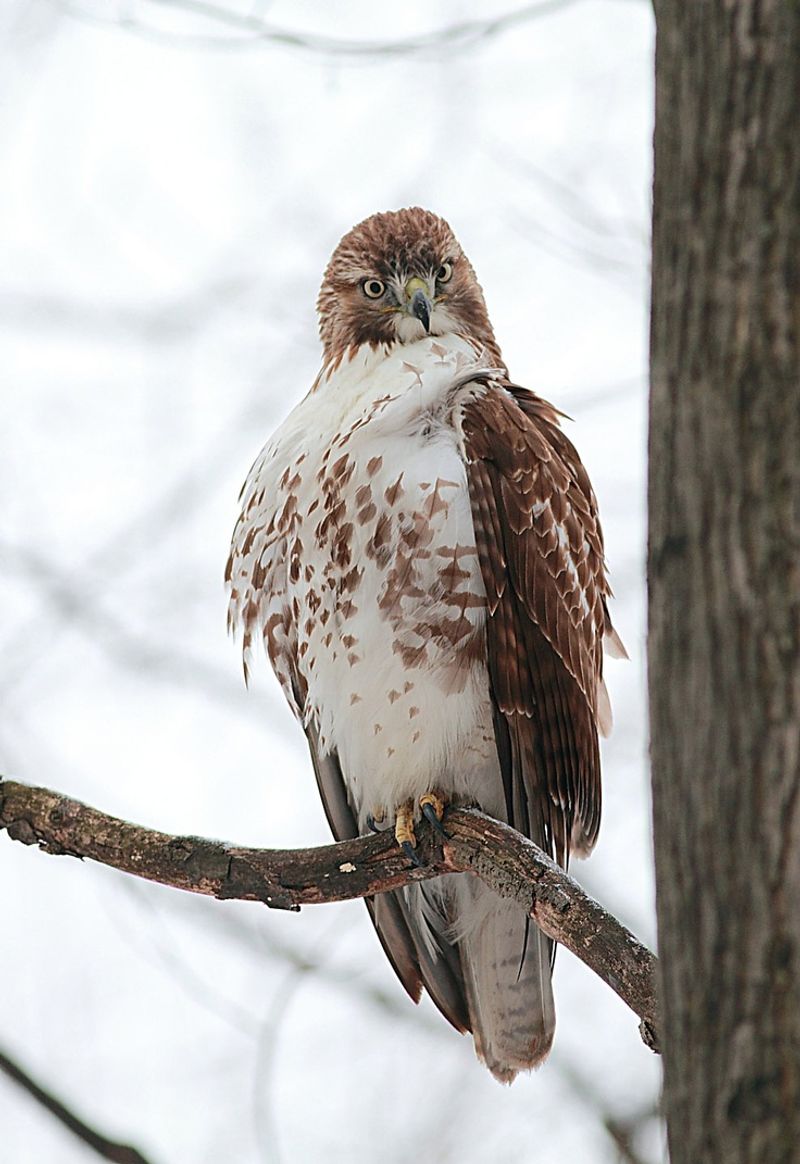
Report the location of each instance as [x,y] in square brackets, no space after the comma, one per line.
[436,503]
[343,469]
[395,491]
[348,583]
[373,465]
[377,545]
[418,535]
[294,562]
[452,575]
[340,550]
[411,656]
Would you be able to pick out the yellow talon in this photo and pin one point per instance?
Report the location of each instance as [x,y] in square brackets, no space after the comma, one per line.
[404,825]
[435,801]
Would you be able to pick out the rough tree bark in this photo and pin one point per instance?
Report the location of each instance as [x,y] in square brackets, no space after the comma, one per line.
[724,567]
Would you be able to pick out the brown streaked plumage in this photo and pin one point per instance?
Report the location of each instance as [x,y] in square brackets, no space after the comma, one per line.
[419,550]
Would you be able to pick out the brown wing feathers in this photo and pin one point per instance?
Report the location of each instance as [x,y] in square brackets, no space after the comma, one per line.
[540,550]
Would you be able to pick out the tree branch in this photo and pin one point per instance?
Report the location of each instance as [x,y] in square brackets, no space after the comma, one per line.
[102,1145]
[288,878]
[254,31]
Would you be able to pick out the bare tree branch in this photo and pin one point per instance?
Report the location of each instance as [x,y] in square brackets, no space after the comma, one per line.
[108,1149]
[248,30]
[288,878]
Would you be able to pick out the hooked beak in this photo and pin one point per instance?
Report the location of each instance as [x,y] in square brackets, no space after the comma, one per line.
[419,303]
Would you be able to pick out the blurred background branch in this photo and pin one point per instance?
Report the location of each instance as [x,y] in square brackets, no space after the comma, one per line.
[258,32]
[101,1145]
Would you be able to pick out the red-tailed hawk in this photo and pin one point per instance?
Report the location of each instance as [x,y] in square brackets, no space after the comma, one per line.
[419,550]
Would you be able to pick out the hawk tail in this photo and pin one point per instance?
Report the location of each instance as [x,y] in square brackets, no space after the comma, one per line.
[506,964]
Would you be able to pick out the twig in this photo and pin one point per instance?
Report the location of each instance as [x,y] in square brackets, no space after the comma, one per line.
[108,1149]
[247,30]
[286,879]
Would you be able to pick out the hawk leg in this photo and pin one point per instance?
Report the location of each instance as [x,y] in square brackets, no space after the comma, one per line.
[404,831]
[433,809]
[375,820]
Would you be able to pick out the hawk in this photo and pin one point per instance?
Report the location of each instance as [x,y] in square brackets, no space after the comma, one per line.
[419,550]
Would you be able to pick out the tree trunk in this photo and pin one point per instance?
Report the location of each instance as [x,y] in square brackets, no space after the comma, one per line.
[724,573]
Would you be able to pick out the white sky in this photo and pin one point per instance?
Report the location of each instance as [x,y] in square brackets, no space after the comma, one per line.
[166,210]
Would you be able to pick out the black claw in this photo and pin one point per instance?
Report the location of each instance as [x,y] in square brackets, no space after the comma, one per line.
[373,828]
[412,854]
[429,812]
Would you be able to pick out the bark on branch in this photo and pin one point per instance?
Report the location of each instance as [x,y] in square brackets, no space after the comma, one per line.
[289,878]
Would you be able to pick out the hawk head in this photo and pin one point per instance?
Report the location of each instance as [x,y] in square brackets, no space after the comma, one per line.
[395,278]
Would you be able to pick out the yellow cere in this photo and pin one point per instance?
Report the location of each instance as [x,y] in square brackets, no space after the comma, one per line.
[416,284]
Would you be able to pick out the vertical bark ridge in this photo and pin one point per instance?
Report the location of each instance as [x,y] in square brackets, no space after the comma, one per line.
[724,574]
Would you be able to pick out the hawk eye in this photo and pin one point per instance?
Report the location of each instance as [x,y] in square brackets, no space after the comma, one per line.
[445,272]
[373,288]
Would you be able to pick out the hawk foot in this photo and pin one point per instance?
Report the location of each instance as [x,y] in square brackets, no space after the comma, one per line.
[375,820]
[404,832]
[404,827]
[411,853]
[433,808]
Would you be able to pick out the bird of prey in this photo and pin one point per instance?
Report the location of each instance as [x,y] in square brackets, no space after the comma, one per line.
[419,549]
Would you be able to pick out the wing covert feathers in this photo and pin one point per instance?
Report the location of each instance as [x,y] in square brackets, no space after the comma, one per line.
[540,548]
